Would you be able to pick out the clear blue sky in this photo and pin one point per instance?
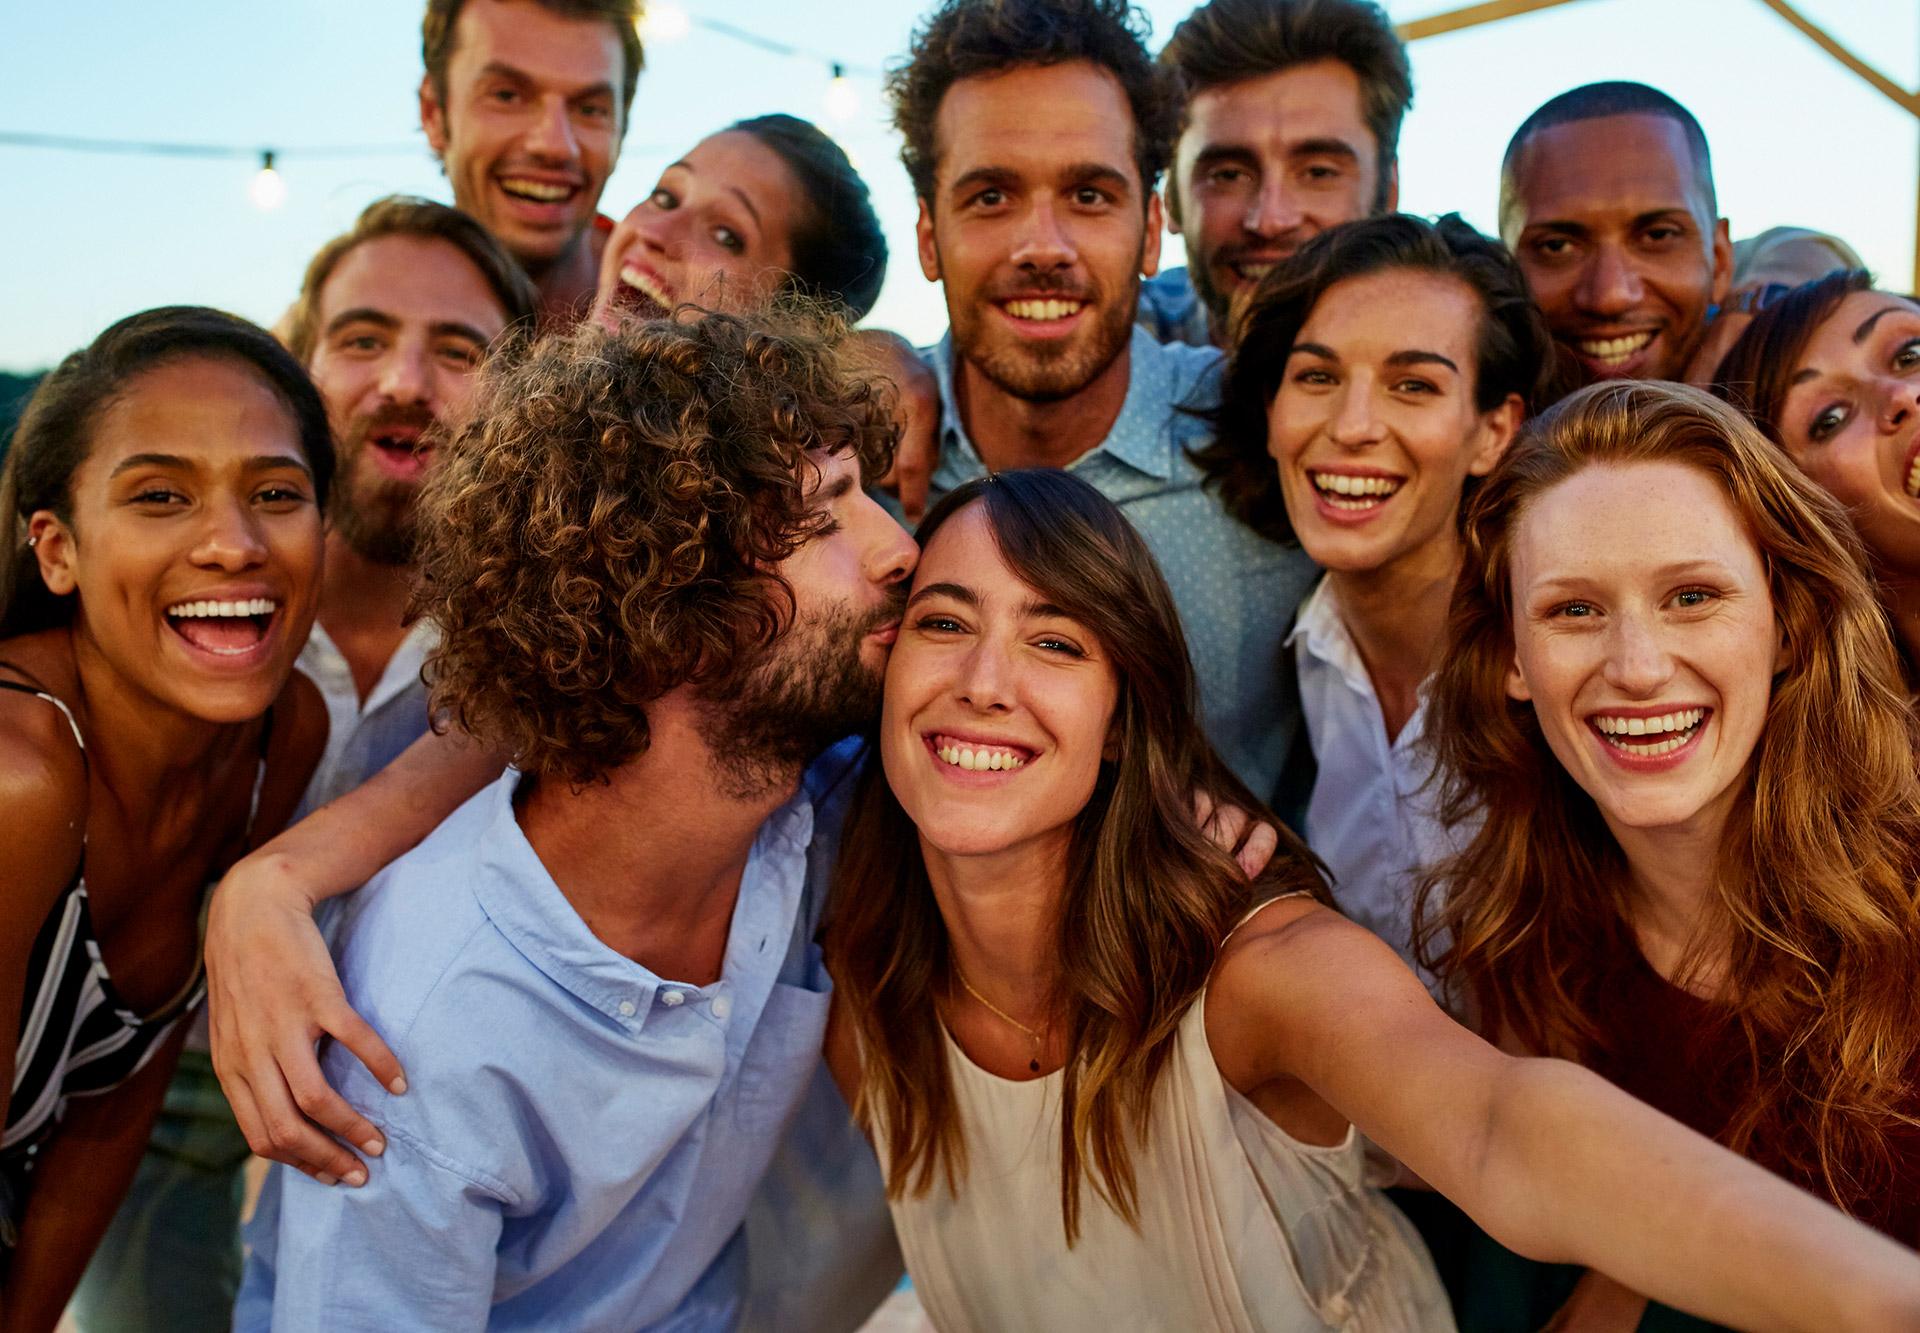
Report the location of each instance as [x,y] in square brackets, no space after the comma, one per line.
[90,238]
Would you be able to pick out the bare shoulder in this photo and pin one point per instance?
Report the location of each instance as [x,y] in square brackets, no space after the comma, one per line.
[43,794]
[299,737]
[1292,975]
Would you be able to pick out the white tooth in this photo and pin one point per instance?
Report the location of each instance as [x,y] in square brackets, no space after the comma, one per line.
[948,755]
[996,761]
[1636,726]
[967,760]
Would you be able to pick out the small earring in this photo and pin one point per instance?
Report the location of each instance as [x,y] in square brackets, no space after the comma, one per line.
[32,542]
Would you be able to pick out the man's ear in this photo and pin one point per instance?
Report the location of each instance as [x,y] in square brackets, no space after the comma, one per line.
[1497,429]
[433,116]
[1722,261]
[53,550]
[1169,206]
[924,241]
[1150,247]
[1390,195]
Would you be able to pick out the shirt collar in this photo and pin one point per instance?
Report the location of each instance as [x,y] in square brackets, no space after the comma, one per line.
[1319,630]
[1141,436]
[524,903]
[321,659]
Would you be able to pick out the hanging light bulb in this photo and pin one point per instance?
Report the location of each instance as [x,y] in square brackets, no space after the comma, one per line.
[268,190]
[843,99]
[664,22]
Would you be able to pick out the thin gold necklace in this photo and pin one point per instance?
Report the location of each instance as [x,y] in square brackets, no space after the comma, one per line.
[1038,1042]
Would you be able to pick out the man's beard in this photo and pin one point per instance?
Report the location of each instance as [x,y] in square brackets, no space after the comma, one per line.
[375,515]
[809,689]
[1041,374]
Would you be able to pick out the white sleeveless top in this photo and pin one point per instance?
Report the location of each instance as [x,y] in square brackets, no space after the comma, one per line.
[1242,1227]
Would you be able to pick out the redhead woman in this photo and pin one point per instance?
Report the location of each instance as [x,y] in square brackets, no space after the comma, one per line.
[1831,373]
[1111,1088]
[162,500]
[1376,377]
[1670,698]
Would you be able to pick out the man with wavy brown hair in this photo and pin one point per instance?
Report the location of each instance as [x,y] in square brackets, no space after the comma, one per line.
[525,103]
[663,590]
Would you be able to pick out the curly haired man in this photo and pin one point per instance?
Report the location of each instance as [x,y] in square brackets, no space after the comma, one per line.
[662,591]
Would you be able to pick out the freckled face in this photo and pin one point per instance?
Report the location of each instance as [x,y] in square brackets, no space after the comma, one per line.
[997,707]
[194,547]
[1374,427]
[1645,638]
[1852,420]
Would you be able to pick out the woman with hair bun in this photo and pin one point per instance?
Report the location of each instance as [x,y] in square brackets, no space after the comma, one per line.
[1670,700]
[764,206]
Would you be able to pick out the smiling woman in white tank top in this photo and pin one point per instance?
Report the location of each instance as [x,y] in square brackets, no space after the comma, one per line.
[1107,1095]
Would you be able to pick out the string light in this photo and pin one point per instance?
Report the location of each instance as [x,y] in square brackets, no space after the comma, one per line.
[268,190]
[664,23]
[842,99]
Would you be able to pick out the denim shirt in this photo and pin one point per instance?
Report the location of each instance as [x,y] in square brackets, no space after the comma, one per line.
[1235,590]
[580,1137]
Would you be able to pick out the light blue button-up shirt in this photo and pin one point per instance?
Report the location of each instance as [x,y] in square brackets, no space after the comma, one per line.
[580,1137]
[1236,591]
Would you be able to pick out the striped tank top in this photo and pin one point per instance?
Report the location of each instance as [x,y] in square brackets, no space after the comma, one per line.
[76,1035]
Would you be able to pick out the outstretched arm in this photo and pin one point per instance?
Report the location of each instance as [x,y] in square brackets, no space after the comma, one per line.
[272,989]
[1551,1159]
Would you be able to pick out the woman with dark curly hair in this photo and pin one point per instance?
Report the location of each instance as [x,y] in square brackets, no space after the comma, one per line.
[764,206]
[1376,377]
[1831,373]
[162,505]
[1113,1089]
[1669,698]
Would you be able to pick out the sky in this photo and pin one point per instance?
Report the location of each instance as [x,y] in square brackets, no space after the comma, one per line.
[86,239]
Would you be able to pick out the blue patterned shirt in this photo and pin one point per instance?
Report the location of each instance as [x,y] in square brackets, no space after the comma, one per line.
[1172,311]
[1236,591]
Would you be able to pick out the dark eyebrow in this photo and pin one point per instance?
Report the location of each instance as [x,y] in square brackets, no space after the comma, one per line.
[833,490]
[748,205]
[1083,173]
[996,177]
[1216,153]
[1327,147]
[1047,610]
[258,463]
[1866,325]
[1414,357]
[959,592]
[361,314]
[454,328]
[1652,216]
[1320,350]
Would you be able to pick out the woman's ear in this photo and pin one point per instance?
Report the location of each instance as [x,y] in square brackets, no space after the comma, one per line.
[54,550]
[1517,683]
[1497,429]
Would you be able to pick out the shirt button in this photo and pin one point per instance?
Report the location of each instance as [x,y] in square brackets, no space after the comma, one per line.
[626,1008]
[673,999]
[722,1006]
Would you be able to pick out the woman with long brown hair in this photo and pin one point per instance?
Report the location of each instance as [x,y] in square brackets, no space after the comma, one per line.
[1830,372]
[1671,701]
[1109,1090]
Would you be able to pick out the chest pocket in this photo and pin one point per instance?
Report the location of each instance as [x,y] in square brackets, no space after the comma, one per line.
[785,1047]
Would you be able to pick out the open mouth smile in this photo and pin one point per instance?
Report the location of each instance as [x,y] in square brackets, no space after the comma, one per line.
[537,191]
[642,293]
[1615,353]
[224,629]
[1354,492]
[1650,737]
[975,756]
[1043,316]
[1912,483]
